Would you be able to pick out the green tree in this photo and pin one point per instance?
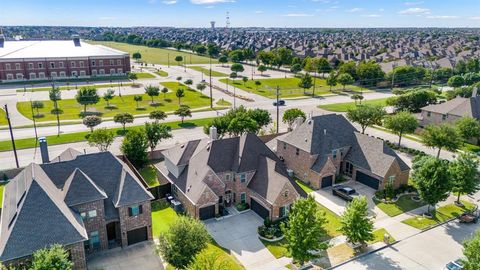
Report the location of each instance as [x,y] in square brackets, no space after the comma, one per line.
[349,67]
[305,82]
[137,99]
[356,225]
[101,138]
[178,59]
[108,95]
[245,80]
[323,66]
[164,91]
[464,175]
[357,98]
[180,93]
[370,73]
[54,257]
[201,87]
[468,127]
[132,76]
[345,79]
[257,84]
[223,59]
[237,68]
[183,240]
[431,178]
[456,81]
[183,111]
[156,132]
[87,96]
[331,80]
[134,147]
[260,116]
[401,123]
[242,124]
[37,105]
[262,68]
[157,115]
[413,101]
[152,91]
[137,56]
[236,55]
[305,230]
[208,260]
[441,136]
[189,82]
[55,95]
[290,115]
[296,68]
[92,121]
[366,115]
[123,118]
[471,252]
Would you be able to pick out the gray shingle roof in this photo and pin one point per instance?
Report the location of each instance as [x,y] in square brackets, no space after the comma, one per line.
[458,106]
[79,188]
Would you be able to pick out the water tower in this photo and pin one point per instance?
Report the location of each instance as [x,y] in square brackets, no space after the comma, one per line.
[212,23]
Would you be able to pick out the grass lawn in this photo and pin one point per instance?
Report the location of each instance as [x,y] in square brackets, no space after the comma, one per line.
[71,110]
[333,222]
[404,204]
[335,255]
[72,87]
[144,75]
[278,248]
[288,87]
[161,73]
[223,102]
[1,194]
[343,107]
[163,217]
[149,173]
[378,234]
[304,186]
[442,214]
[206,71]
[3,118]
[81,136]
[156,55]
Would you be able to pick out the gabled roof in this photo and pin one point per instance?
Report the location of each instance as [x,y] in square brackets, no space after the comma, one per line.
[34,216]
[458,106]
[79,188]
[66,155]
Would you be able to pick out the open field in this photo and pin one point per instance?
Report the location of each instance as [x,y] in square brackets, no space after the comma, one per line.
[72,87]
[71,110]
[206,71]
[144,75]
[288,87]
[162,73]
[343,107]
[3,118]
[156,55]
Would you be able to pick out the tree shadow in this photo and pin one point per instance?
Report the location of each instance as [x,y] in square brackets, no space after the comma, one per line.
[89,113]
[56,111]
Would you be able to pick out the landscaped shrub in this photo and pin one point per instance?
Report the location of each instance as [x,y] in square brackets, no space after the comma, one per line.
[271,229]
[242,206]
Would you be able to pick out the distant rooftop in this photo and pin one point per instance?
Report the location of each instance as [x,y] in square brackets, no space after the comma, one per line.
[54,49]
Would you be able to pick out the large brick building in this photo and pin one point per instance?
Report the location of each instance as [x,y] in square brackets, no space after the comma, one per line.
[59,59]
[211,174]
[86,203]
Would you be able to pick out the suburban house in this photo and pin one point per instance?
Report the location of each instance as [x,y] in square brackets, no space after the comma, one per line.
[452,110]
[326,146]
[210,175]
[85,202]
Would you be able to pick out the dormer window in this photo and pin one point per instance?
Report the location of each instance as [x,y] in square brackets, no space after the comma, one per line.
[334,154]
[135,210]
[243,178]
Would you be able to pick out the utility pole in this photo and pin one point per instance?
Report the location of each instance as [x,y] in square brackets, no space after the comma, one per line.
[34,121]
[278,109]
[11,136]
[394,65]
[211,97]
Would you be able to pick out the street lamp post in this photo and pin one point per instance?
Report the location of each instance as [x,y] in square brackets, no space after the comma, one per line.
[211,98]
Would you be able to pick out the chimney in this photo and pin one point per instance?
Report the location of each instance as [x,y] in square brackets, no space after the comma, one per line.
[213,133]
[44,149]
[76,40]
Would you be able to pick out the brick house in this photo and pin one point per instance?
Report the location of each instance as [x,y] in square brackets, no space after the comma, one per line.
[328,145]
[451,110]
[87,203]
[210,175]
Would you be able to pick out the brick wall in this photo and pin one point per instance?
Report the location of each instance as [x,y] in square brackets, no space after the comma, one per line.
[436,118]
[95,224]
[128,223]
[77,255]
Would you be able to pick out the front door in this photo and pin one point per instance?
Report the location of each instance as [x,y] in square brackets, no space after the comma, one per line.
[112,234]
[228,198]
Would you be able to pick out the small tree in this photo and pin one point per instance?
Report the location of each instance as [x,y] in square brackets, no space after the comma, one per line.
[180,93]
[432,179]
[304,231]
[201,87]
[345,79]
[223,59]
[441,136]
[257,84]
[155,132]
[356,225]
[401,123]
[92,121]
[237,68]
[456,81]
[37,105]
[183,111]
[152,91]
[164,91]
[245,80]
[87,96]
[55,95]
[471,252]
[132,76]
[468,127]
[157,115]
[366,115]
[295,68]
[101,138]
[331,80]
[54,257]
[208,260]
[262,68]
[137,99]
[305,82]
[290,115]
[137,56]
[183,240]
[189,82]
[123,118]
[108,95]
[464,175]
[134,147]
[178,59]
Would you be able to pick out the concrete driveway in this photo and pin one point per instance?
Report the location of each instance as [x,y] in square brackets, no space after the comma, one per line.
[337,204]
[239,235]
[138,256]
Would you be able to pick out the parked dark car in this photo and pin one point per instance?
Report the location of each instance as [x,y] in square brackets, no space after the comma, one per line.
[455,265]
[281,102]
[344,192]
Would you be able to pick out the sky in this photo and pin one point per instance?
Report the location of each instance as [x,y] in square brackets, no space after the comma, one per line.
[243,13]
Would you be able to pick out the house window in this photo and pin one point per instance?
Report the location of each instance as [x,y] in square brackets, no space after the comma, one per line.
[112,71]
[285,194]
[40,65]
[242,178]
[284,146]
[52,64]
[60,65]
[284,210]
[243,197]
[94,72]
[429,114]
[92,214]
[93,63]
[7,66]
[17,66]
[19,76]
[74,73]
[82,73]
[33,76]
[81,64]
[349,168]
[94,239]
[41,75]
[9,76]
[83,215]
[112,62]
[101,72]
[62,74]
[227,177]
[135,210]
[119,71]
[297,151]
[30,65]
[100,62]
[73,64]
[391,179]
[334,153]
[53,74]
[444,117]
[119,62]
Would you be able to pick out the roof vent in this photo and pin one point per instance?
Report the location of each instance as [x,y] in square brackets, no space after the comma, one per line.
[182,146]
[189,187]
[76,40]
[309,122]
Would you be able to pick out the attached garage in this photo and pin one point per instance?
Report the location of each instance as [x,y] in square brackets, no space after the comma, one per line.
[327,181]
[259,209]
[137,235]
[207,212]
[367,180]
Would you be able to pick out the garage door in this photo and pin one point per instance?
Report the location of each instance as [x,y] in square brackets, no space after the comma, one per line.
[259,209]
[137,235]
[207,212]
[367,180]
[327,181]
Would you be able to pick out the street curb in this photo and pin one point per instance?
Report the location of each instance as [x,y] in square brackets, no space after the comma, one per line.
[363,255]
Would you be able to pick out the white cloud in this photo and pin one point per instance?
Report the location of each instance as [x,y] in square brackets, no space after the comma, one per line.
[414,3]
[477,18]
[169,2]
[372,15]
[355,10]
[209,2]
[258,12]
[442,17]
[415,11]
[298,15]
